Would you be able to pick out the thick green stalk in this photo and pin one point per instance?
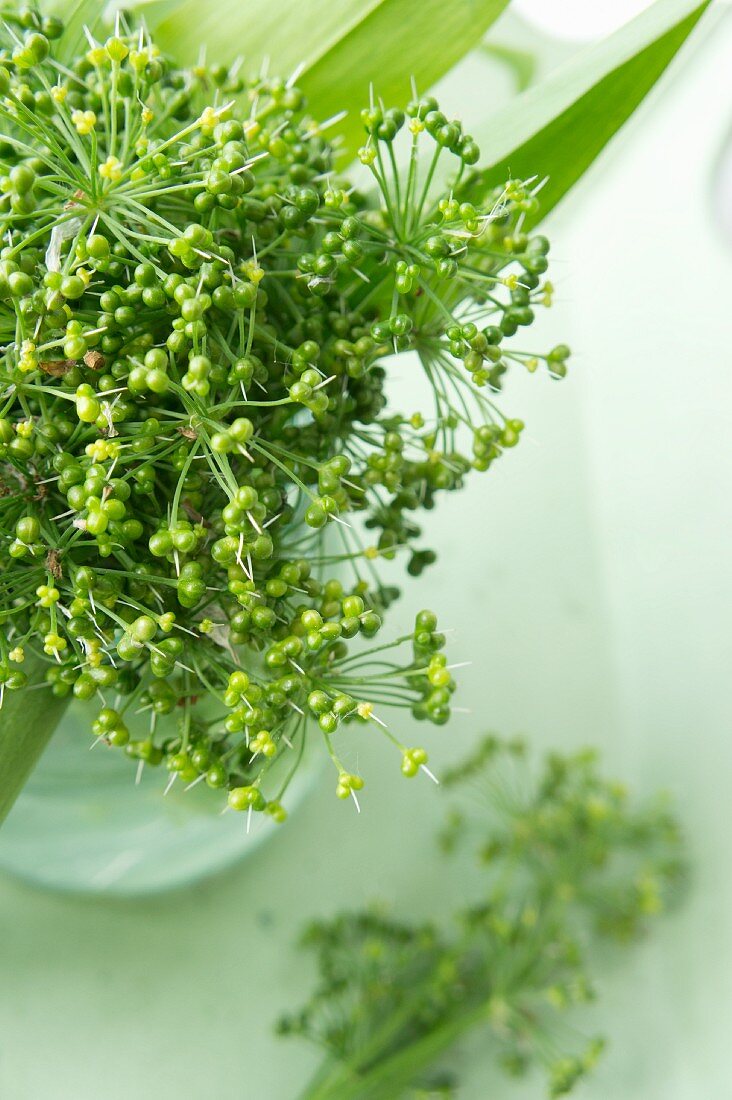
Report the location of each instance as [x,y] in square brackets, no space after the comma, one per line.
[391,1076]
[27,720]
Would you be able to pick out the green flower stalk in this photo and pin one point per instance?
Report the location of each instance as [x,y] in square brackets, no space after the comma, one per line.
[566,859]
[199,469]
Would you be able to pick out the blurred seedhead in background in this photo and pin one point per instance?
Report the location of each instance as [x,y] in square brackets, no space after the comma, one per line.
[567,859]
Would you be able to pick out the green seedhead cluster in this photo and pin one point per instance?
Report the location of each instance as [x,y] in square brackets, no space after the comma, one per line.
[199,469]
[566,857]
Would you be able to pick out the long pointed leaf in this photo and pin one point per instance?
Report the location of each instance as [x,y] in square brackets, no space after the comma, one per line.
[389,48]
[343,47]
[522,63]
[558,127]
[27,720]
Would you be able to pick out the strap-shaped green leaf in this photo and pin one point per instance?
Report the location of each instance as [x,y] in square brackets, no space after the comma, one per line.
[522,63]
[559,126]
[342,46]
[27,720]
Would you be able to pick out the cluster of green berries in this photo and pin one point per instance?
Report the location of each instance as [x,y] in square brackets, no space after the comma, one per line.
[195,444]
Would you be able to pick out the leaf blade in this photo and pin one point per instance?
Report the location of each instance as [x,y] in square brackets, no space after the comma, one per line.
[461,23]
[341,47]
[557,128]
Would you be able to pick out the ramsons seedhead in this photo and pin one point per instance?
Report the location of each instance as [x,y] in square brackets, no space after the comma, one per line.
[199,468]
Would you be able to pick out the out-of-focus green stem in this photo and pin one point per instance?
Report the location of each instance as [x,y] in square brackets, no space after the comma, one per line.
[27,719]
[393,1075]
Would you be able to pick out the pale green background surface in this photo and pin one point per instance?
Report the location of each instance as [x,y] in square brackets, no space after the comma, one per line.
[587,577]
